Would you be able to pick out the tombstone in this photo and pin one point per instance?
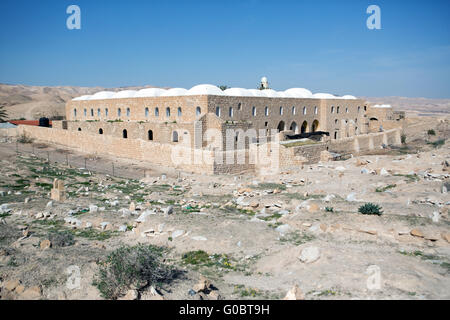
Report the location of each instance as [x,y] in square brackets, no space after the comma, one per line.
[58,192]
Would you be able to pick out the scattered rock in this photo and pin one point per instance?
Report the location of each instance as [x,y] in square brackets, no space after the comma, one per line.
[10,285]
[168,210]
[203,285]
[309,255]
[45,244]
[416,233]
[32,293]
[294,294]
[130,295]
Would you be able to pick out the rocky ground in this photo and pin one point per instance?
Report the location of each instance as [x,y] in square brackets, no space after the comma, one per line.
[235,237]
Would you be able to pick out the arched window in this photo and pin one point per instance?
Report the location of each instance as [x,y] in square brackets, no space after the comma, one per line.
[125,133]
[254,111]
[75,113]
[98,112]
[79,129]
[365,108]
[175,136]
[146,112]
[230,112]
[332,109]
[100,131]
[128,112]
[218,111]
[239,106]
[156,112]
[335,121]
[119,112]
[304,110]
[281,111]
[315,126]
[359,109]
[335,135]
[266,111]
[106,112]
[346,110]
[337,110]
[92,112]
[281,126]
[167,112]
[198,111]
[294,110]
[316,110]
[85,112]
[179,111]
[150,135]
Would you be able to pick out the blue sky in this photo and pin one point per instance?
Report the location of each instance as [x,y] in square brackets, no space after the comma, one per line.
[321,45]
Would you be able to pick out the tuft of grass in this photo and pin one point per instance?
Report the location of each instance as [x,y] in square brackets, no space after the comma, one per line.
[383,189]
[370,209]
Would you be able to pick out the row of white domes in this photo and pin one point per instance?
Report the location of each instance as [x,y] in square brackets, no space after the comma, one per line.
[207,89]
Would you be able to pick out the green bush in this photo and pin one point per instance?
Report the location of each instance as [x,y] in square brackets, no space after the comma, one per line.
[329,209]
[370,208]
[431,132]
[138,266]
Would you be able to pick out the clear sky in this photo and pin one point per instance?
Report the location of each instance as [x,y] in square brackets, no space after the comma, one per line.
[321,45]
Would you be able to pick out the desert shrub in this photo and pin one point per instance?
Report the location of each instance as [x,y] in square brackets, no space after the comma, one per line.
[329,209]
[403,138]
[136,266]
[431,132]
[61,238]
[438,143]
[370,208]
[23,138]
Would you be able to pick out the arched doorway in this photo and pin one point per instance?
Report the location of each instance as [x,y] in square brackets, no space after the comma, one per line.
[304,127]
[294,127]
[175,136]
[150,135]
[125,133]
[100,131]
[281,126]
[315,126]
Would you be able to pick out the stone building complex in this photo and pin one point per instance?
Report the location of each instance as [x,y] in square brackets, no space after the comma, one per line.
[135,123]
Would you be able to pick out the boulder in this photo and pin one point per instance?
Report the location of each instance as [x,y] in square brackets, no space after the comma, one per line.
[10,285]
[310,255]
[203,285]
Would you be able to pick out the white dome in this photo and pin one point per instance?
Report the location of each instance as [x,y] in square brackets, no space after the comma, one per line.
[102,95]
[298,93]
[270,93]
[324,96]
[256,93]
[82,98]
[124,94]
[205,89]
[174,92]
[237,92]
[149,92]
